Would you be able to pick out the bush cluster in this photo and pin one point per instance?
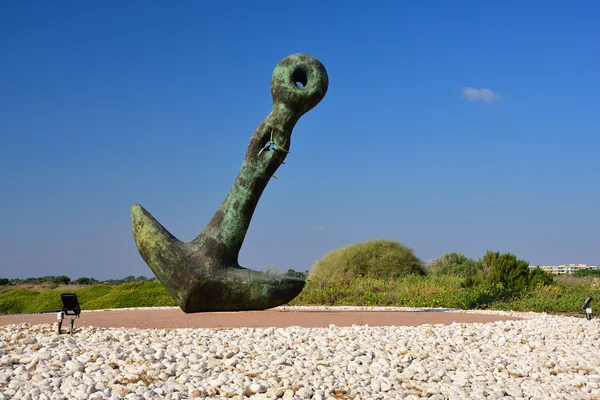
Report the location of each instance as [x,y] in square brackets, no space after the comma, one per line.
[454,264]
[383,259]
[386,259]
[383,273]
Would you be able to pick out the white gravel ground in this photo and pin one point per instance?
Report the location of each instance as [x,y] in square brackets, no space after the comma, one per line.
[541,357]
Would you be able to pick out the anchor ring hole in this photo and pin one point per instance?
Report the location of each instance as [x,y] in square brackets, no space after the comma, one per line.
[299,78]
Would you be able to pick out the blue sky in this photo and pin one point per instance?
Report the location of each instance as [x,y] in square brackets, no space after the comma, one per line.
[461,126]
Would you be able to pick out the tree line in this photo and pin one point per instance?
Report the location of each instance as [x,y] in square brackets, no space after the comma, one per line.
[65,280]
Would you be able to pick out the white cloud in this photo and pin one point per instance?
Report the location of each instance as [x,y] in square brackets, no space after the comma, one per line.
[485,95]
[318,228]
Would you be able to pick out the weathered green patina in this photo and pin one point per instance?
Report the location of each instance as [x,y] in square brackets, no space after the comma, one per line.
[204,274]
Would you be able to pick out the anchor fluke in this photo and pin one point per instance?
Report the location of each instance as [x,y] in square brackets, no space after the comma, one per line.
[204,274]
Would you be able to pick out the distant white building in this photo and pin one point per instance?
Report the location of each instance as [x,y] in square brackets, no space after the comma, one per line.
[564,268]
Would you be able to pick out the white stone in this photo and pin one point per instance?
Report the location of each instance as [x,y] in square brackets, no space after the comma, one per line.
[75,366]
[257,388]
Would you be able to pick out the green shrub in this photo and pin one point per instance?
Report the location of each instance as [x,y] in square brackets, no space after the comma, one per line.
[455,264]
[93,292]
[16,300]
[83,281]
[409,291]
[4,281]
[448,292]
[62,279]
[506,270]
[133,294]
[538,276]
[554,298]
[383,259]
[296,274]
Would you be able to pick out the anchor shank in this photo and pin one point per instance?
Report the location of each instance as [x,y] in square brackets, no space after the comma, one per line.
[225,233]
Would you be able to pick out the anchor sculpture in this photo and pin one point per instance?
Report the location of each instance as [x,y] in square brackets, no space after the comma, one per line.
[204,274]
